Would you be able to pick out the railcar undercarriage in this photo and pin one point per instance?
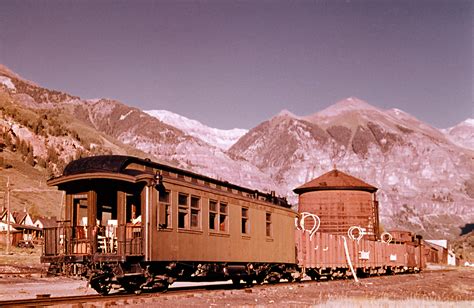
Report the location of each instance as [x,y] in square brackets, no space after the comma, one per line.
[158,276]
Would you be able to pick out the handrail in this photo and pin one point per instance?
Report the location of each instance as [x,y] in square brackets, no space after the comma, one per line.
[80,240]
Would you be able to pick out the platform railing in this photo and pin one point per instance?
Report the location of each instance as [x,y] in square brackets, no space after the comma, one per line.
[82,240]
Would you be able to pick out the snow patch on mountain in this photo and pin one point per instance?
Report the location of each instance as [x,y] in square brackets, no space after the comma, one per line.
[462,134]
[286,113]
[7,82]
[345,105]
[124,116]
[469,122]
[220,138]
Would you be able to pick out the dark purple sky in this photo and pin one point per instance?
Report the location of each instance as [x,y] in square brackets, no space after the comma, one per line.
[236,63]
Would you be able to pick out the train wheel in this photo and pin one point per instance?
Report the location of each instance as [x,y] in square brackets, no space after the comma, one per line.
[289,277]
[161,286]
[130,286]
[101,284]
[273,277]
[314,277]
[236,281]
[249,282]
[260,279]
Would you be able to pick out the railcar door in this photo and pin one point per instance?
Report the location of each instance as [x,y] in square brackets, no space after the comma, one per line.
[79,234]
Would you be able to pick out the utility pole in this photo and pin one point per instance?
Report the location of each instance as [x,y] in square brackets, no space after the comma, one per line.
[8,217]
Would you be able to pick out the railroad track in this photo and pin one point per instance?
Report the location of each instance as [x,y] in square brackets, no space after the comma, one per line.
[49,301]
[113,297]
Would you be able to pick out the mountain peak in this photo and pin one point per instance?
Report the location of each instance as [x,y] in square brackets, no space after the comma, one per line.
[348,104]
[469,122]
[286,113]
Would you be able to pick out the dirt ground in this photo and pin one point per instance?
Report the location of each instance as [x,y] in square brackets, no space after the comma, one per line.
[20,259]
[433,288]
[430,288]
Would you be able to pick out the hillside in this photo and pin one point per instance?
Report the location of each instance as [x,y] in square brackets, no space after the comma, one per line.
[219,138]
[37,141]
[425,176]
[425,180]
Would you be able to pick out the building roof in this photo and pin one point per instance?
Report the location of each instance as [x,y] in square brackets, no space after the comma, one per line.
[335,180]
[19,217]
[48,222]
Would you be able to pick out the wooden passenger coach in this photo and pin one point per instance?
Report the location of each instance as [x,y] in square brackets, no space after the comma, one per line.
[152,220]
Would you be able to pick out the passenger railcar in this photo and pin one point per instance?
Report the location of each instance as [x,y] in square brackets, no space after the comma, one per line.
[141,224]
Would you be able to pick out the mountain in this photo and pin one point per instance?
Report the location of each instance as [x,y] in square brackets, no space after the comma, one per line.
[37,138]
[425,178]
[426,182]
[462,134]
[167,143]
[62,126]
[219,138]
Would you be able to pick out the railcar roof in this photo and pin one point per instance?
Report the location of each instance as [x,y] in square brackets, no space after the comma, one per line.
[118,164]
[103,163]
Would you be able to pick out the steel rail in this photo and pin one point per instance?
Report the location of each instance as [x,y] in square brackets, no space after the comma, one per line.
[48,301]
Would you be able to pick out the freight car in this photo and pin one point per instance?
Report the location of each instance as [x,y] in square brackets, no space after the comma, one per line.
[323,255]
[140,225]
[143,225]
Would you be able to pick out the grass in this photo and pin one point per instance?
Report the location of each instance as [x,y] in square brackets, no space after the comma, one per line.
[20,257]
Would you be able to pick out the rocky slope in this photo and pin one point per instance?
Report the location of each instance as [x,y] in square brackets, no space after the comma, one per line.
[462,134]
[53,121]
[425,180]
[219,138]
[169,144]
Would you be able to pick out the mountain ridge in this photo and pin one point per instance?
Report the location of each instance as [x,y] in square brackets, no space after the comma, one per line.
[425,180]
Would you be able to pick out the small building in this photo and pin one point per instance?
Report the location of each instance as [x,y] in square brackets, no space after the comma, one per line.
[45,222]
[4,221]
[439,252]
[15,235]
[24,223]
[21,227]
[341,201]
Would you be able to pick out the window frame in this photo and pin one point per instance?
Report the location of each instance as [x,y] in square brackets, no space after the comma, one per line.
[268,225]
[245,221]
[225,216]
[167,211]
[215,213]
[197,209]
[184,209]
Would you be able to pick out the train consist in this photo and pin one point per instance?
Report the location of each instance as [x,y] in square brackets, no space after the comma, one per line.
[141,225]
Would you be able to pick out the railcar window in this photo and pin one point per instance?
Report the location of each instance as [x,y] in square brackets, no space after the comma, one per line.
[245,220]
[164,209]
[195,212]
[183,211]
[212,214]
[223,217]
[268,220]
